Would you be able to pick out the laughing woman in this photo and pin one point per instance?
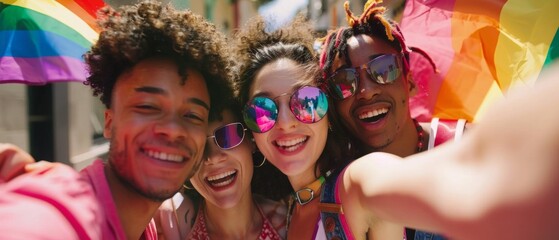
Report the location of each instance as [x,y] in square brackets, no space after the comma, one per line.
[227,209]
[286,112]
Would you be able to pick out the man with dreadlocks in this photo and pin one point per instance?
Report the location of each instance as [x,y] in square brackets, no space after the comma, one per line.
[365,68]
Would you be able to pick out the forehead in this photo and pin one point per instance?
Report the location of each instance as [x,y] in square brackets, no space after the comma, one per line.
[162,74]
[227,117]
[361,47]
[279,77]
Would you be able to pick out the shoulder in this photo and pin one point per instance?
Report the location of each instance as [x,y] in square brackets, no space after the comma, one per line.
[175,217]
[57,195]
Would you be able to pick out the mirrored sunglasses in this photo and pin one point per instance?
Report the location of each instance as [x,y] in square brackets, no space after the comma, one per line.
[229,136]
[308,104]
[384,69]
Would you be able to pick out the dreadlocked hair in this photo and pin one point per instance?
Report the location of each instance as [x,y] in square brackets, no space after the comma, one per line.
[373,23]
[255,48]
[146,30]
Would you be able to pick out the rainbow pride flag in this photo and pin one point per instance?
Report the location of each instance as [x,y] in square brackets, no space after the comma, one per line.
[481,48]
[43,41]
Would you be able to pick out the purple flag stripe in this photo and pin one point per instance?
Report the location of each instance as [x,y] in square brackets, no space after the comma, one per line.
[40,71]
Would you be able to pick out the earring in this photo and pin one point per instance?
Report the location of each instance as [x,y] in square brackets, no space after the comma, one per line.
[185,186]
[262,163]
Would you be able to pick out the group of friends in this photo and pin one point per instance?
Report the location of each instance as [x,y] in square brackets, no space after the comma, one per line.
[270,139]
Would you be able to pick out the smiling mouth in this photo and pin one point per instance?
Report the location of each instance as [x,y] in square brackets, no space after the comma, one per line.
[164,156]
[292,144]
[222,179]
[373,116]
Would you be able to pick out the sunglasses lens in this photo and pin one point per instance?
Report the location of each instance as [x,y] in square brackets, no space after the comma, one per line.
[309,104]
[229,136]
[344,83]
[384,69]
[260,114]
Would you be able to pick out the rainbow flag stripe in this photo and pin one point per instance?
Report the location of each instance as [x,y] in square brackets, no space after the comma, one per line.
[481,47]
[43,41]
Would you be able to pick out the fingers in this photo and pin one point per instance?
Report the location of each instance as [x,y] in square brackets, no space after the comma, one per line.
[12,161]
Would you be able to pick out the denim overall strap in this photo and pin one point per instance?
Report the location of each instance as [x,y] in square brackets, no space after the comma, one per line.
[330,210]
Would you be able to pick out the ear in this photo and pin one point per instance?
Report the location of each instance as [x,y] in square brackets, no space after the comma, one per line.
[412,86]
[108,124]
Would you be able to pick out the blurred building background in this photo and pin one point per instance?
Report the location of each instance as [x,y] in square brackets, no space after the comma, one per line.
[64,122]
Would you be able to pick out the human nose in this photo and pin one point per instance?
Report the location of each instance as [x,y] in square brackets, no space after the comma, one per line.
[214,154]
[286,119]
[367,87]
[172,128]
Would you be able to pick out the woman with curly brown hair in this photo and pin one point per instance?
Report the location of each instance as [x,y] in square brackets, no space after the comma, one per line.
[286,111]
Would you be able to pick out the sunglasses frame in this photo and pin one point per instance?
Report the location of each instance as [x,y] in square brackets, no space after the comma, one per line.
[400,61]
[290,108]
[227,125]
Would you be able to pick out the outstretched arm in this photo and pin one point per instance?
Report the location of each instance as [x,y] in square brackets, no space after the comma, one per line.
[501,181]
[12,161]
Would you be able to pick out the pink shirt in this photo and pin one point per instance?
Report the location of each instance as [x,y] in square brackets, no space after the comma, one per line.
[53,203]
[59,203]
[111,227]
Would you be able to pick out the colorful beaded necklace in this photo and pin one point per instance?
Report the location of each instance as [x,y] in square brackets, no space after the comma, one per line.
[420,134]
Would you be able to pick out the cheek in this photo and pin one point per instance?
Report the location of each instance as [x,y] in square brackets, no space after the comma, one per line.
[196,180]
[343,108]
[198,134]
[320,130]
[260,140]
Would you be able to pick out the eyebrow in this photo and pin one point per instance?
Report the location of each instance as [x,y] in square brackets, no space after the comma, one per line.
[160,91]
[291,91]
[152,90]
[199,102]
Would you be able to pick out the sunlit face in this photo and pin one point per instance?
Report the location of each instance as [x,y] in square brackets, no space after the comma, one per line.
[157,127]
[224,177]
[292,146]
[376,113]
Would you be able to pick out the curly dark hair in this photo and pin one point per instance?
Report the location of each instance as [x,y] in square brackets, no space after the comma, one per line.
[257,47]
[147,30]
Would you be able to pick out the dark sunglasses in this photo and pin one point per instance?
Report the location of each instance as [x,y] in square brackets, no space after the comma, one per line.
[384,69]
[229,136]
[308,104]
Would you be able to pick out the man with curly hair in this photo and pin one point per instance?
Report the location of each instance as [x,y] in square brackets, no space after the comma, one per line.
[157,70]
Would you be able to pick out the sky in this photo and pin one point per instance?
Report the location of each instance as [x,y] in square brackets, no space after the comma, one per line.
[281,11]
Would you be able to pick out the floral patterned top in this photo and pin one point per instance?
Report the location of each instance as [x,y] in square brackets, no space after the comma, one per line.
[200,232]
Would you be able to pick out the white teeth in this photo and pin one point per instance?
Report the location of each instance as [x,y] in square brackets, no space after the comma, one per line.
[373,113]
[220,180]
[165,156]
[290,143]
[221,175]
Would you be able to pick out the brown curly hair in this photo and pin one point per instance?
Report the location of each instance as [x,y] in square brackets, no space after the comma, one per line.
[257,47]
[146,30]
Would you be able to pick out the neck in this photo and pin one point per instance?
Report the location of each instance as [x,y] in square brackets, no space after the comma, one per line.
[404,144]
[303,179]
[134,210]
[242,221]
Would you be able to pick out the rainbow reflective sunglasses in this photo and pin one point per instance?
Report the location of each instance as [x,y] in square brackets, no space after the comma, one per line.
[308,104]
[229,136]
[384,69]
